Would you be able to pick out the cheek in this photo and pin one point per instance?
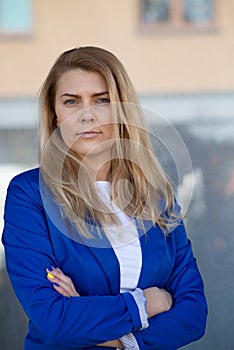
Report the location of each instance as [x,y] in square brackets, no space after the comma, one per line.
[110,131]
[62,113]
[65,118]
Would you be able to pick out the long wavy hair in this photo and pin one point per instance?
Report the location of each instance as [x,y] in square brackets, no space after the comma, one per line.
[139,185]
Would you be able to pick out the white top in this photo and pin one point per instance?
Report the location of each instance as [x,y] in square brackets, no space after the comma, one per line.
[124,240]
[126,244]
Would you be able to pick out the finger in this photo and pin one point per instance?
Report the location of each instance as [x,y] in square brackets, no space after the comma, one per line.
[57,273]
[52,278]
[61,290]
[65,285]
[58,276]
[62,287]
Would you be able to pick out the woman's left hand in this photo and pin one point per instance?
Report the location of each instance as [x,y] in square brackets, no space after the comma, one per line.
[61,283]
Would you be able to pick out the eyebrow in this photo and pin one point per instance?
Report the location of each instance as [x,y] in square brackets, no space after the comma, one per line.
[96,94]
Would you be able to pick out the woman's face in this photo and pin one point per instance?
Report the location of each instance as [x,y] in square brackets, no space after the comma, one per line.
[83,111]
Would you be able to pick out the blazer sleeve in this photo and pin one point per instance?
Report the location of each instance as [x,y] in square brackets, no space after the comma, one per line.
[76,321]
[185,322]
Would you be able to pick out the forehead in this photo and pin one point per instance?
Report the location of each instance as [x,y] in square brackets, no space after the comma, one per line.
[79,79]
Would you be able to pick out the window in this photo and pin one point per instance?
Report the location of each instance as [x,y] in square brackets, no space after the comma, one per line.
[176,14]
[15,17]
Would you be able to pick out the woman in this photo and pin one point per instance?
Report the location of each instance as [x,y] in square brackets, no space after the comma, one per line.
[95,246]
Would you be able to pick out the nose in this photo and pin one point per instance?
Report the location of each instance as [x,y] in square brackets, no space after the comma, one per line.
[87,115]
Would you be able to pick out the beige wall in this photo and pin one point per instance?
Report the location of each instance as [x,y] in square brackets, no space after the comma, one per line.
[156,63]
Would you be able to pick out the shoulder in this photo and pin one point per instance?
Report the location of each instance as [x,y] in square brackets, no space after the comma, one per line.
[28,179]
[26,184]
[28,176]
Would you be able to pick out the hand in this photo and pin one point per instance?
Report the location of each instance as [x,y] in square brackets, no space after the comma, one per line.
[157,301]
[64,285]
[112,344]
[61,283]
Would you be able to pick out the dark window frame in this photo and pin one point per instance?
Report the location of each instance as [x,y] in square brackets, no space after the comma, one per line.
[176,24]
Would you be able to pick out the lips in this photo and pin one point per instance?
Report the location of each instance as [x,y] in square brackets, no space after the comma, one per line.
[89,134]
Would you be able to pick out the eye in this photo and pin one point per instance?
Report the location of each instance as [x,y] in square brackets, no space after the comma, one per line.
[70,102]
[103,100]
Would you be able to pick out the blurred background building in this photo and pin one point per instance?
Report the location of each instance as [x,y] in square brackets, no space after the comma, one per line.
[179,54]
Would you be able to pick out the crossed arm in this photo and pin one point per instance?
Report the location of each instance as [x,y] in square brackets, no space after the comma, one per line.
[157,300]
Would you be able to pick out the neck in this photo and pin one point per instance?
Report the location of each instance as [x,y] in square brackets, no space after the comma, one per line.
[102,173]
[98,169]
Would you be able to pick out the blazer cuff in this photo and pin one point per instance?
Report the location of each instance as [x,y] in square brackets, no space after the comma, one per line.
[140,299]
[133,310]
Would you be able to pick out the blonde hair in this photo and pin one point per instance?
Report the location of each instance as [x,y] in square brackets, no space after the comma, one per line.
[139,185]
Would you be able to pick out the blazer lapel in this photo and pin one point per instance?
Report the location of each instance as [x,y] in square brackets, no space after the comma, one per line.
[152,246]
[105,256]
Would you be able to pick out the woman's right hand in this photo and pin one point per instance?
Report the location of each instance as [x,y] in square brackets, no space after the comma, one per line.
[61,283]
[157,301]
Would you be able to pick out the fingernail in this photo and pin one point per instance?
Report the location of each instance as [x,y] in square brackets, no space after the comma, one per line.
[49,275]
[53,267]
[50,268]
[56,284]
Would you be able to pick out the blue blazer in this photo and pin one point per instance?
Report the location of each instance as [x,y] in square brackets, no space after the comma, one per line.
[33,242]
